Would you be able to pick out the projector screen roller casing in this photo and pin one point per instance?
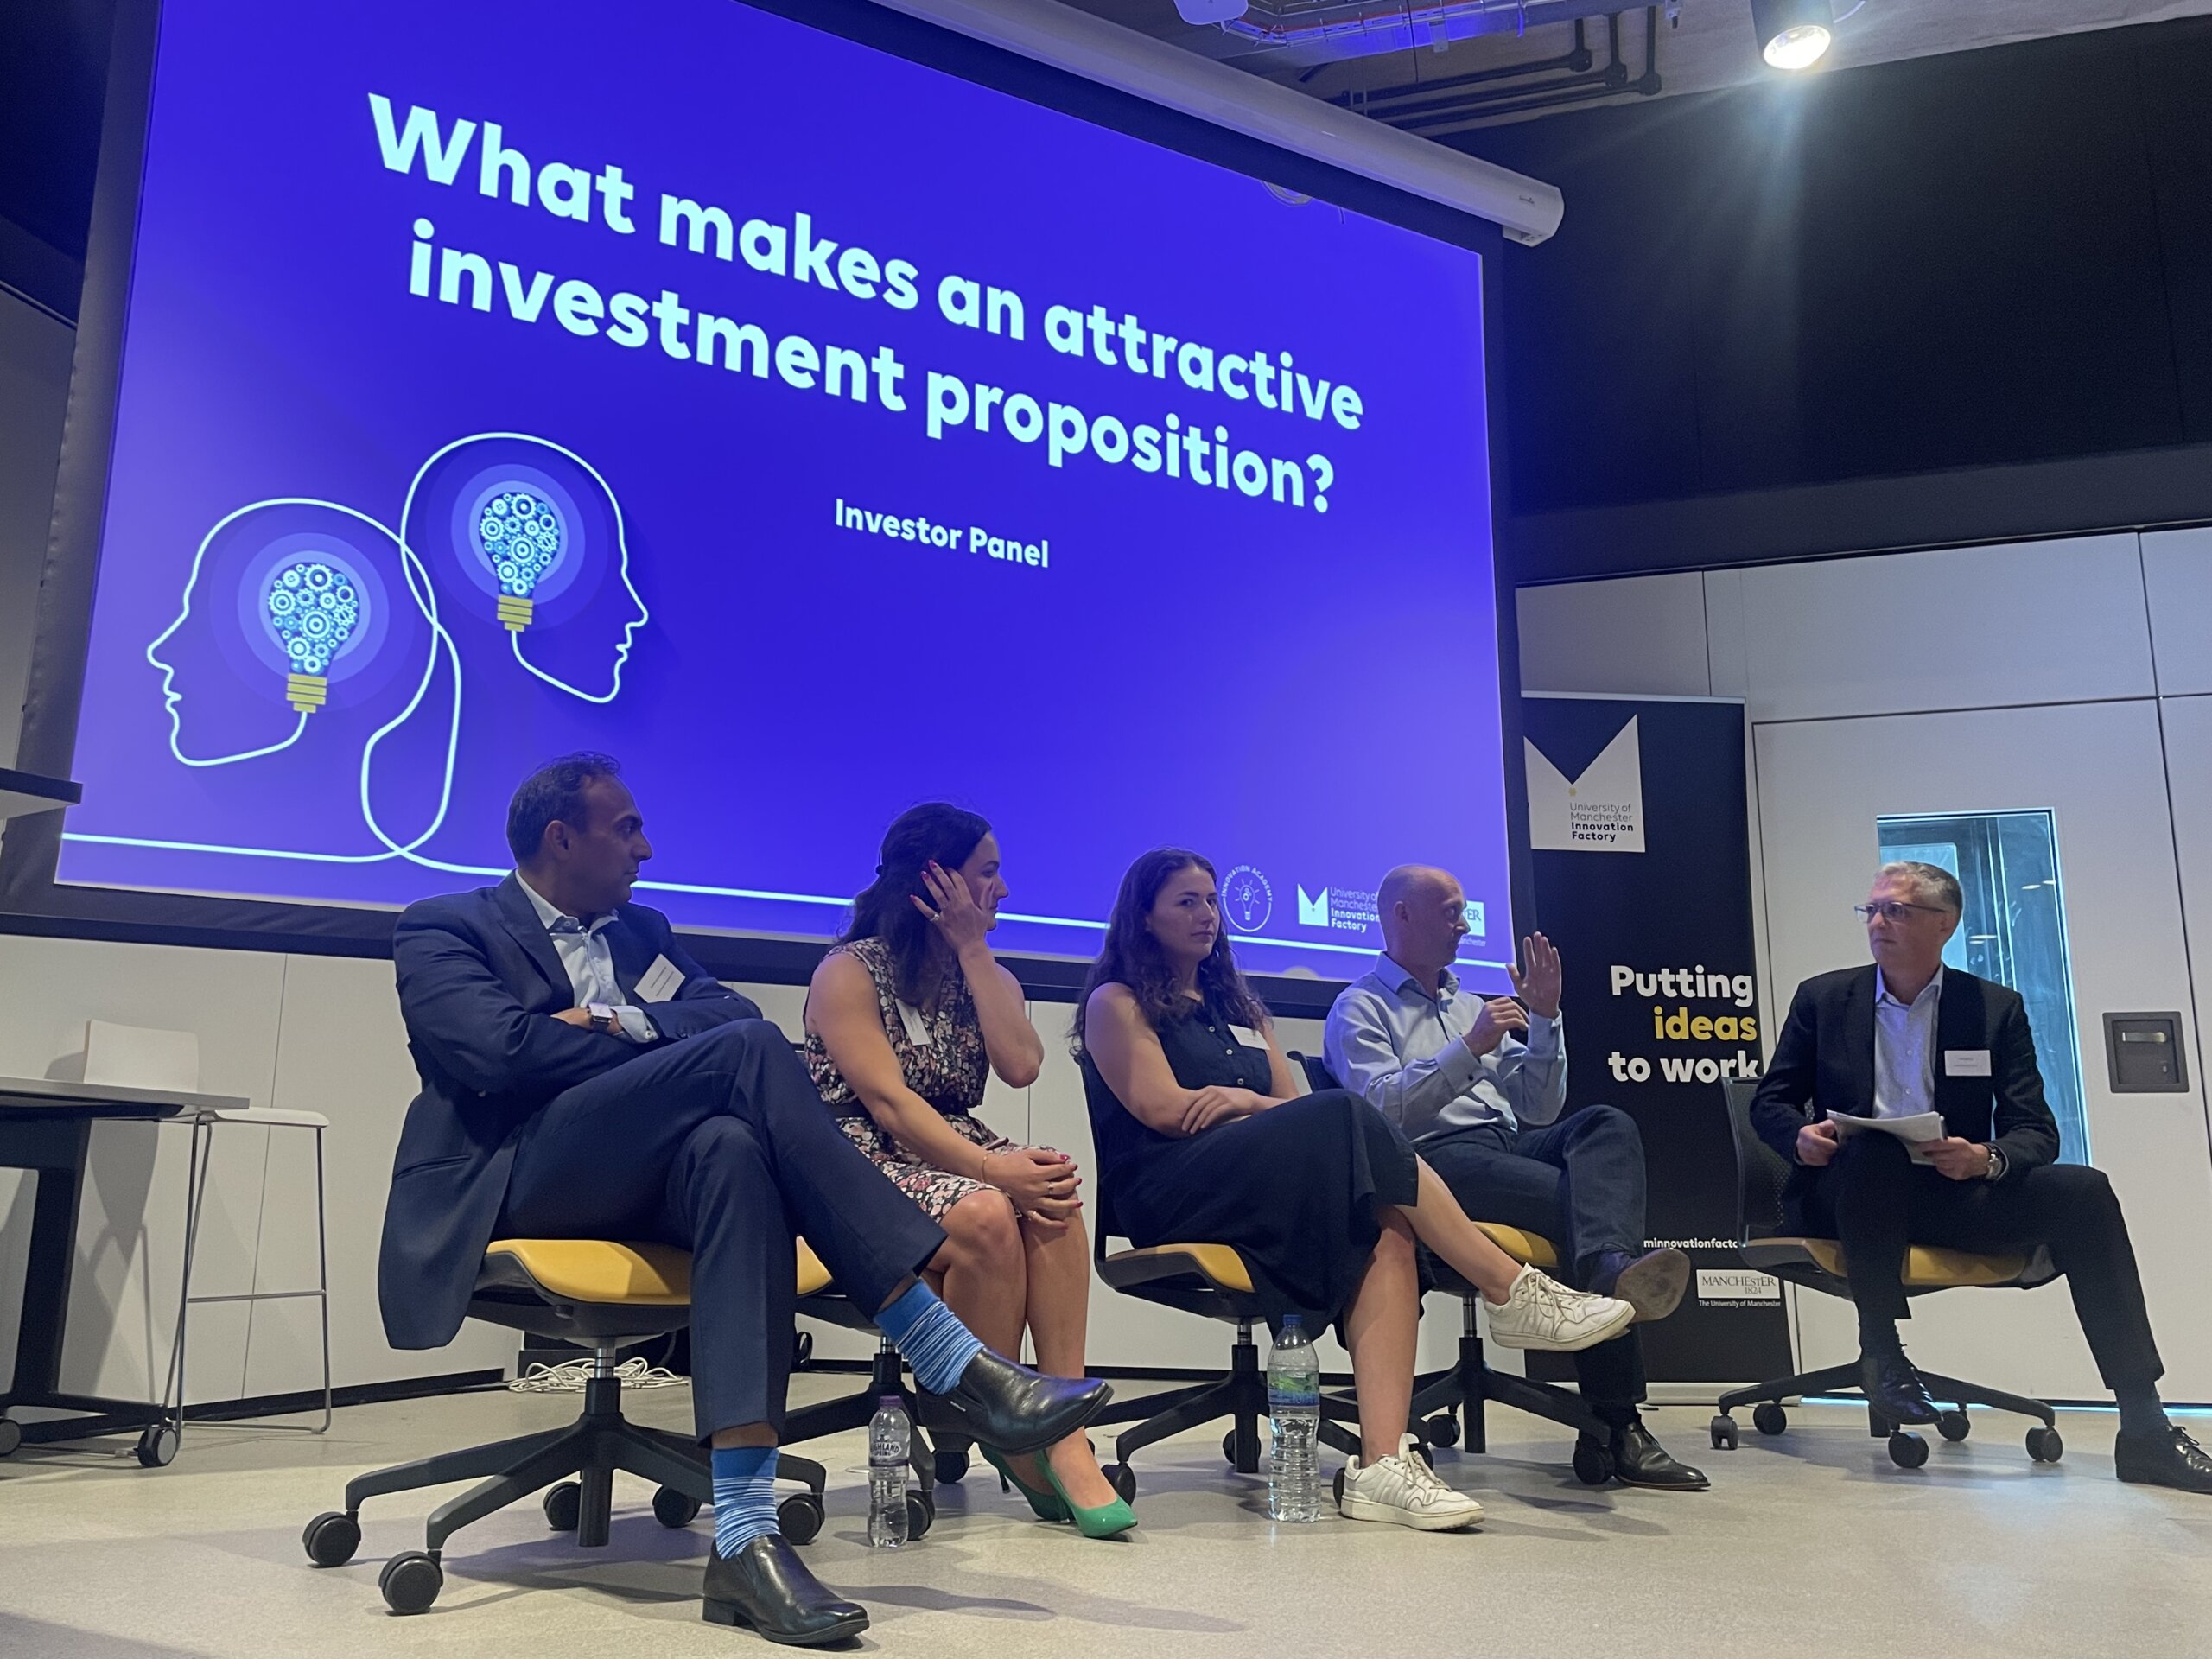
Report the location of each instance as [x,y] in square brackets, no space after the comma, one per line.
[883,488]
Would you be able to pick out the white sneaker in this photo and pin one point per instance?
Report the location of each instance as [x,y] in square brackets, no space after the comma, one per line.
[1403,1489]
[1541,1313]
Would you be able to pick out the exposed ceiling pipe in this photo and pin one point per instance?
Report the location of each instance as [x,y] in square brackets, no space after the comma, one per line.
[1066,39]
[1329,31]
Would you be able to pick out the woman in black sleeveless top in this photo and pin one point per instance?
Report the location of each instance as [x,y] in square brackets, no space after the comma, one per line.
[1202,1136]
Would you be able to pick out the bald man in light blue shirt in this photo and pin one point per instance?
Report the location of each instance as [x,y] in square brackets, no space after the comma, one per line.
[1478,1084]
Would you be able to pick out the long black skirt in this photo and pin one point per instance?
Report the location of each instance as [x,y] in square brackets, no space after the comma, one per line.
[1295,1189]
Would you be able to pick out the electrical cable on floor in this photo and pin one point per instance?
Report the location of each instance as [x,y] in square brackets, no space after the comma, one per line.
[570,1377]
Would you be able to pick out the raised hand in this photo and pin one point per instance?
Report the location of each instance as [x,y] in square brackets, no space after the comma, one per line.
[1539,988]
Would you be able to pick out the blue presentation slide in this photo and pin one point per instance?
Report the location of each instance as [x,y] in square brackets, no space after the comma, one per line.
[815,431]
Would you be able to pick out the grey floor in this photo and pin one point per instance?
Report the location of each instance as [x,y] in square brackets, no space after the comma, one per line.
[1813,1542]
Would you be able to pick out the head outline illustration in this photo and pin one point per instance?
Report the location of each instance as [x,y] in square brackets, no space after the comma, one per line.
[416,579]
[364,630]
[475,565]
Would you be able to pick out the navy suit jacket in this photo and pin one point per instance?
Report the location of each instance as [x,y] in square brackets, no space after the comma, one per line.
[1824,1060]
[479,983]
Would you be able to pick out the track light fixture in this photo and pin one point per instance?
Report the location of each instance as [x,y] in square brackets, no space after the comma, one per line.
[1793,34]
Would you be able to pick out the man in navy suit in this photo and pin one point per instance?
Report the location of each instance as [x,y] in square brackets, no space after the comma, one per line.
[1909,1036]
[582,1077]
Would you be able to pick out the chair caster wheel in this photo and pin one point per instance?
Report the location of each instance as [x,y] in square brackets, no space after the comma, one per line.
[2044,1445]
[411,1582]
[921,1510]
[1770,1419]
[802,1351]
[950,1466]
[1907,1451]
[1337,1489]
[11,1436]
[158,1446]
[1593,1463]
[1953,1426]
[1229,1447]
[799,1517]
[1723,1433]
[331,1538]
[675,1508]
[1443,1430]
[1124,1481]
[564,1506]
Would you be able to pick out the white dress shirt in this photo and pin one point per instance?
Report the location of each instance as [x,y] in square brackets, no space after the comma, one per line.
[1904,1050]
[1401,1044]
[584,951]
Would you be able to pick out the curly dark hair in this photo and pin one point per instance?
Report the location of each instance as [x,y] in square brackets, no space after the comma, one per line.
[934,830]
[1133,957]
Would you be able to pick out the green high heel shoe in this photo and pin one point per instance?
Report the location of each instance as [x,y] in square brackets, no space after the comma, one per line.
[1047,1506]
[1107,1520]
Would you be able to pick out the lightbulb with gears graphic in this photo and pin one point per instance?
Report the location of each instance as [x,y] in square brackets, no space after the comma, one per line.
[520,535]
[314,607]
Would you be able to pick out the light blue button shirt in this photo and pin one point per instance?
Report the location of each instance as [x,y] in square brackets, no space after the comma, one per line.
[1400,1045]
[1904,1050]
[589,957]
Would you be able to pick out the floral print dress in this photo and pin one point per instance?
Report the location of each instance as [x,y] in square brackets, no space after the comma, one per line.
[941,1057]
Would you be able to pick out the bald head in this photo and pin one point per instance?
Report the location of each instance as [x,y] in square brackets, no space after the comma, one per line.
[1423,912]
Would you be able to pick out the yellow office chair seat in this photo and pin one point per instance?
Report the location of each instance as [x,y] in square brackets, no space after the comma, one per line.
[813,1277]
[1217,1265]
[1927,1267]
[1530,1249]
[594,1270]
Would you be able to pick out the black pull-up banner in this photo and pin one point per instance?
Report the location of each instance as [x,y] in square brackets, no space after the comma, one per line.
[1640,826]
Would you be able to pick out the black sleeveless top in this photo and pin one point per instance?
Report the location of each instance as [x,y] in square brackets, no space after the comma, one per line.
[1202,1052]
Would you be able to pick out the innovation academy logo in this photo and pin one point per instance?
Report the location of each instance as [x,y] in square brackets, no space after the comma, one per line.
[1247,899]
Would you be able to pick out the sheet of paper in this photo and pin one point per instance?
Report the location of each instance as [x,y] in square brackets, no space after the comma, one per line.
[1916,1131]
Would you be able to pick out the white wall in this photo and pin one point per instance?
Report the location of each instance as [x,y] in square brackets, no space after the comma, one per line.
[2072,675]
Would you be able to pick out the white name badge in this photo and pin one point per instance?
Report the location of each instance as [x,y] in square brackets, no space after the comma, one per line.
[917,1029]
[660,982]
[1965,1063]
[1247,1036]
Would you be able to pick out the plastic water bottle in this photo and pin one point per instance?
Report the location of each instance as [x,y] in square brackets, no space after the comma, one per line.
[888,1438]
[1294,1413]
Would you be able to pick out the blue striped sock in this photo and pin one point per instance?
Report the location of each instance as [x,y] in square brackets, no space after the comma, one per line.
[745,1495]
[931,1337]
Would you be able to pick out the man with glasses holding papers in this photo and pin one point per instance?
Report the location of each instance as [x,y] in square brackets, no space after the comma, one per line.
[1908,1039]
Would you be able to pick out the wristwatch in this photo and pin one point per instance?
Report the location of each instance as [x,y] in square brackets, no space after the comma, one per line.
[1996,1165]
[603,1019]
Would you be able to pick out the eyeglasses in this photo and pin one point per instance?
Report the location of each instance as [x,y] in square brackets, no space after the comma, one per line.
[1894,910]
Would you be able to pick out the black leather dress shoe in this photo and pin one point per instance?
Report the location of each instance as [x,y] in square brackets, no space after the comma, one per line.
[1640,1460]
[1895,1389]
[1013,1409]
[766,1586]
[2168,1459]
[1653,1283]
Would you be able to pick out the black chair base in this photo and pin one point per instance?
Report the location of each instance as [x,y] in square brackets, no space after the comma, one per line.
[1241,1397]
[1906,1448]
[587,1451]
[1449,1405]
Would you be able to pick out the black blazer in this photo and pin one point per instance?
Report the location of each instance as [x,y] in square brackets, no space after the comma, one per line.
[1824,1061]
[479,979]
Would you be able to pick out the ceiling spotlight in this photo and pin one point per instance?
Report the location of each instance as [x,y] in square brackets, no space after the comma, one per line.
[1793,34]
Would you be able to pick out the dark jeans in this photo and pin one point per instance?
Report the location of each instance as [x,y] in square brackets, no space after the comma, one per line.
[1875,1200]
[719,1145]
[1579,1182]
